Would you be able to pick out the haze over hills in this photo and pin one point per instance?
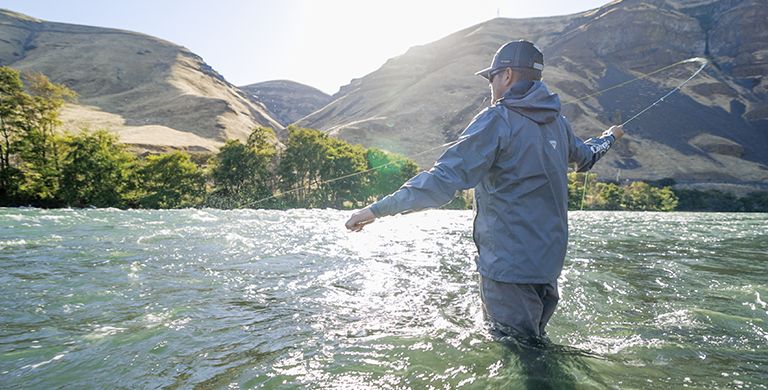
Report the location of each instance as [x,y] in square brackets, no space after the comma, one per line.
[714,130]
[151,92]
[287,101]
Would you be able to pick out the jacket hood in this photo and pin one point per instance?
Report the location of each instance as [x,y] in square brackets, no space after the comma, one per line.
[532,100]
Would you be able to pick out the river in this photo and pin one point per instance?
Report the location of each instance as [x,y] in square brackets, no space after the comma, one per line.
[105,298]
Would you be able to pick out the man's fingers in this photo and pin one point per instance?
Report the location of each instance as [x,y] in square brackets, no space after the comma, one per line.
[357,226]
[618,131]
[354,224]
[360,219]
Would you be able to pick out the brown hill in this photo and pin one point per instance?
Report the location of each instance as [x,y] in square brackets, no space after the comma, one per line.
[287,101]
[151,92]
[714,130]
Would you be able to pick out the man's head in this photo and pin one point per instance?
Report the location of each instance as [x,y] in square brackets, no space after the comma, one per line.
[514,61]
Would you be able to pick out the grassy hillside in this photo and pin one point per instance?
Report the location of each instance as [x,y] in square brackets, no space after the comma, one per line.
[149,91]
[714,130]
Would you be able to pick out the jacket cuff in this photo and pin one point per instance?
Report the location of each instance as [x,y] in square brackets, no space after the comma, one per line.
[610,137]
[375,210]
[384,207]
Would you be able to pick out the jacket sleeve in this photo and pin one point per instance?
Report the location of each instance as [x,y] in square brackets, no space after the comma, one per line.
[586,153]
[461,166]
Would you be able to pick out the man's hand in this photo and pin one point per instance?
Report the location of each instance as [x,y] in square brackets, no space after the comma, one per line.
[616,131]
[360,219]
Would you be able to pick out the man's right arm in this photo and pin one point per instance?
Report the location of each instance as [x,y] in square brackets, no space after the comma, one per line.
[461,166]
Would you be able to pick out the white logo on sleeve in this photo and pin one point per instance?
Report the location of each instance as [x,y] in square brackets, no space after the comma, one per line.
[553,143]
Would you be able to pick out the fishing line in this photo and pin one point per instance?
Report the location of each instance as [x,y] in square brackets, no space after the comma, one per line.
[324,182]
[584,194]
[703,62]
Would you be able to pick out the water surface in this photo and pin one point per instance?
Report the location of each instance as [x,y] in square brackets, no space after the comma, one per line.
[288,299]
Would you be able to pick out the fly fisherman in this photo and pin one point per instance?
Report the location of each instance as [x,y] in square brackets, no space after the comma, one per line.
[515,154]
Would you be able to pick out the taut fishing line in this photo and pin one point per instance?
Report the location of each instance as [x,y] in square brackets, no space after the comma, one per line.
[700,60]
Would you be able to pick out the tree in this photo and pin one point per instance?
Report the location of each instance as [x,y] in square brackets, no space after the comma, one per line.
[388,172]
[243,173]
[341,173]
[39,146]
[666,198]
[321,171]
[755,202]
[171,180]
[97,171]
[300,167]
[13,101]
[609,196]
[262,142]
[642,196]
[576,194]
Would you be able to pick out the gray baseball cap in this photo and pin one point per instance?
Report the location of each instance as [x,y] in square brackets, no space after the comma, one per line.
[515,54]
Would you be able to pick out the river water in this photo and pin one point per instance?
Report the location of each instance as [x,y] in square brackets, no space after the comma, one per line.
[288,299]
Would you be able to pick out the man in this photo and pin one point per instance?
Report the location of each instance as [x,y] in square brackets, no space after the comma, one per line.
[515,154]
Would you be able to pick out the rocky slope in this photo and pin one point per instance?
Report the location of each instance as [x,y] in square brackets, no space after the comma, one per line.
[714,130]
[151,92]
[287,101]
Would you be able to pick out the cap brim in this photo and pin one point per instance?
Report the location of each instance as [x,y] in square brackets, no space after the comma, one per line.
[486,73]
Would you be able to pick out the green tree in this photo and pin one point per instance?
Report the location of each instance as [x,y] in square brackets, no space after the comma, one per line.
[171,180]
[300,167]
[244,173]
[642,196]
[609,196]
[710,200]
[40,147]
[321,171]
[755,202]
[464,200]
[388,172]
[666,198]
[97,171]
[13,103]
[341,169]
[262,141]
[576,194]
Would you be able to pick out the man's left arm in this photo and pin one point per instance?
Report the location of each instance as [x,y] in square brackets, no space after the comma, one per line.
[586,153]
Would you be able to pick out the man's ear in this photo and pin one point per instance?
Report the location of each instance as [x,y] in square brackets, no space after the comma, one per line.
[511,76]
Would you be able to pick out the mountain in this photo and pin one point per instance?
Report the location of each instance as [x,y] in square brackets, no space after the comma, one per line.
[713,130]
[151,92]
[287,101]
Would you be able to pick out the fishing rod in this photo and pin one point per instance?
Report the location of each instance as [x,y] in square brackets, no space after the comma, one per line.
[701,60]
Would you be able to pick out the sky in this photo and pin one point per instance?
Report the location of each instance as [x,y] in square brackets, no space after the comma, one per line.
[324,44]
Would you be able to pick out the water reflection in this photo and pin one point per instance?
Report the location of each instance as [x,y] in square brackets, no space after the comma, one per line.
[288,299]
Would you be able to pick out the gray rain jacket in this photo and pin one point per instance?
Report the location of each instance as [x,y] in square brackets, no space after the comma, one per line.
[516,155]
